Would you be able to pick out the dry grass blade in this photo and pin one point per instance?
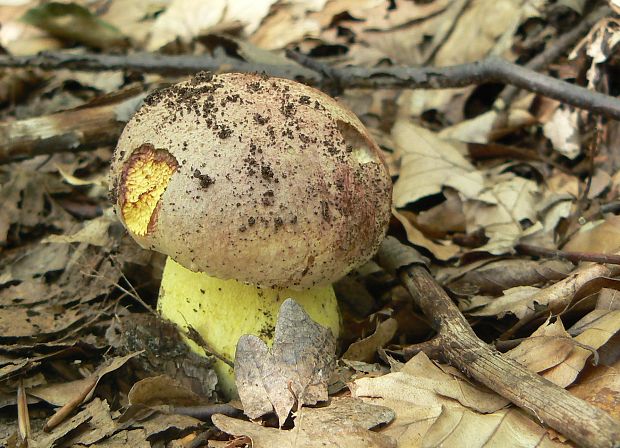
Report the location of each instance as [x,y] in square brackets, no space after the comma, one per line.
[61,414]
[23,417]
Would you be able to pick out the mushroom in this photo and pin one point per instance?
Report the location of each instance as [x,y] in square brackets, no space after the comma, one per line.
[258,189]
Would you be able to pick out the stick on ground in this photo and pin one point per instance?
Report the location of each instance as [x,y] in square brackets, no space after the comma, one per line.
[576,419]
[78,129]
[492,69]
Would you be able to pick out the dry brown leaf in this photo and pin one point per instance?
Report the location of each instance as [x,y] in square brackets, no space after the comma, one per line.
[161,390]
[563,132]
[609,299]
[74,23]
[447,411]
[366,349]
[135,438]
[601,387]
[93,232]
[378,16]
[500,209]
[20,38]
[443,219]
[601,236]
[551,210]
[547,347]
[525,301]
[421,383]
[162,423]
[295,370]
[131,18]
[483,28]
[18,322]
[60,394]
[563,183]
[24,193]
[415,102]
[99,427]
[429,163]
[14,367]
[416,237]
[28,293]
[416,44]
[249,12]
[499,275]
[593,330]
[601,44]
[184,20]
[483,128]
[288,23]
[503,429]
[329,9]
[344,423]
[599,183]
[521,301]
[34,261]
[88,426]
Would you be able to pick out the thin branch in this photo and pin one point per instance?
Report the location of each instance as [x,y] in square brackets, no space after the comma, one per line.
[171,65]
[575,257]
[576,419]
[197,338]
[205,412]
[492,69]
[560,46]
[83,128]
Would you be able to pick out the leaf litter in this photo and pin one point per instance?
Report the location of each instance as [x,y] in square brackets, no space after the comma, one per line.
[473,178]
[294,372]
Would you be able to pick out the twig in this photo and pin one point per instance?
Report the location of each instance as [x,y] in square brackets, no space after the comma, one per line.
[73,130]
[431,348]
[205,412]
[576,419]
[196,337]
[172,65]
[492,69]
[61,414]
[554,51]
[575,257]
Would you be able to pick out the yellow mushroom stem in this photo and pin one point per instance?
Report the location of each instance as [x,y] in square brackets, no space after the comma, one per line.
[224,310]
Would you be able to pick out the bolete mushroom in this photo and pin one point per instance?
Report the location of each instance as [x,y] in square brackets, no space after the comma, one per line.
[258,189]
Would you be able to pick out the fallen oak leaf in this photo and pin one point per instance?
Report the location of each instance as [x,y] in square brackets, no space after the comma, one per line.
[430,165]
[365,349]
[97,412]
[436,405]
[547,347]
[601,387]
[501,209]
[420,382]
[345,423]
[593,331]
[73,22]
[295,370]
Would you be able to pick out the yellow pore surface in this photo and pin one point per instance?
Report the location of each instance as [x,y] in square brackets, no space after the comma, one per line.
[224,310]
[145,181]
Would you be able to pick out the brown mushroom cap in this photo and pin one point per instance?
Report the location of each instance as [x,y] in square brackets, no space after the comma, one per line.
[259,179]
